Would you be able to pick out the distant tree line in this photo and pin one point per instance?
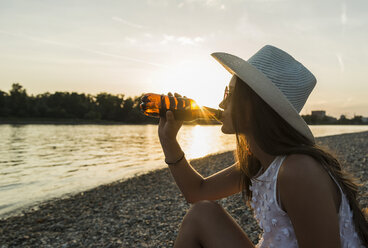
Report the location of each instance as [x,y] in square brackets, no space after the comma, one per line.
[102,107]
[328,120]
[64,105]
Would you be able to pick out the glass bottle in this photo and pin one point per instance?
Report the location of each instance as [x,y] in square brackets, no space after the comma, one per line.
[184,109]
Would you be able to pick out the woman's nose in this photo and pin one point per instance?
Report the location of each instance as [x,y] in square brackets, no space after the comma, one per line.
[222,104]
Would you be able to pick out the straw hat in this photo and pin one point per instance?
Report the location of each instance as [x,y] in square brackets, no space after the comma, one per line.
[280,80]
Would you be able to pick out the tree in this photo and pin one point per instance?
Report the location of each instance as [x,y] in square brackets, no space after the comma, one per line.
[67,105]
[4,108]
[127,110]
[358,119]
[18,101]
[110,106]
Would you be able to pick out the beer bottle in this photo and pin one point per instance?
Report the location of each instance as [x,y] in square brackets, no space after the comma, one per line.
[184,109]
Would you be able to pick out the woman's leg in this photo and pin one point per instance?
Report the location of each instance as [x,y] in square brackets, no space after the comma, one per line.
[207,224]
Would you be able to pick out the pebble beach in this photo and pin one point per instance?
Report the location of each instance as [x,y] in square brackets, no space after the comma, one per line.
[146,211]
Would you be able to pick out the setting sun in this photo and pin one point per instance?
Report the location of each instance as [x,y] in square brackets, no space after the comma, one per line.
[194,105]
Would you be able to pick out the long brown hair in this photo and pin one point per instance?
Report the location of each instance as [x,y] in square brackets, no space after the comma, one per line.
[275,136]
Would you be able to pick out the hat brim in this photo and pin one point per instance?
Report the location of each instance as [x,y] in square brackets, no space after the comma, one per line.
[267,90]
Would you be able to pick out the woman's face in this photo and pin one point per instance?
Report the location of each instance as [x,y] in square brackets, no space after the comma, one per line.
[227,124]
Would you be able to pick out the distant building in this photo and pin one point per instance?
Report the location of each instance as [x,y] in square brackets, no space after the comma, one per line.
[319,113]
[319,117]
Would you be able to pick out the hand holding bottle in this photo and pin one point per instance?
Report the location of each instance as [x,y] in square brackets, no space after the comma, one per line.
[172,111]
[169,127]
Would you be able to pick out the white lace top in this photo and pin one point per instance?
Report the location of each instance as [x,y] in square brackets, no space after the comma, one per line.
[275,223]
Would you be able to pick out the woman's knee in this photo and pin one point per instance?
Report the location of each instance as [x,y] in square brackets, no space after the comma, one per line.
[202,211]
[205,206]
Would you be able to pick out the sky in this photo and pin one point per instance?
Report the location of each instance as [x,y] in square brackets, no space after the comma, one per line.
[132,47]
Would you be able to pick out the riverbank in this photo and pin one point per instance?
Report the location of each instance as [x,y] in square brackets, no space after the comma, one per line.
[58,121]
[146,211]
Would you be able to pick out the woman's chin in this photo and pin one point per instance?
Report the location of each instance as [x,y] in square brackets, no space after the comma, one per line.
[226,130]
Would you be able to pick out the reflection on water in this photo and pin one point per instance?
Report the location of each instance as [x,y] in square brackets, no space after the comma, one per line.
[198,141]
[38,162]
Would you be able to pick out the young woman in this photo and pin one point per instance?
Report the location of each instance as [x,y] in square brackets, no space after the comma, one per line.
[300,195]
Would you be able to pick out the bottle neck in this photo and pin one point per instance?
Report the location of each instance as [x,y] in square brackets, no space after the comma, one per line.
[208,113]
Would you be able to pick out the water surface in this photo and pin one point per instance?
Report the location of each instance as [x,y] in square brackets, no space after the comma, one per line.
[39,162]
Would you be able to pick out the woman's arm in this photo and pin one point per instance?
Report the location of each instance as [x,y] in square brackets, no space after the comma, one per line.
[193,186]
[308,195]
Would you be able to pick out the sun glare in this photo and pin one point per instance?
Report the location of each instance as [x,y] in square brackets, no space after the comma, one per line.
[194,105]
[195,80]
[197,146]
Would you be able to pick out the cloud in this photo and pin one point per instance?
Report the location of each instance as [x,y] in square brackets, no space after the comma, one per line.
[36,39]
[130,40]
[162,3]
[343,16]
[125,22]
[348,102]
[341,61]
[207,3]
[182,40]
[76,47]
[270,1]
[127,58]
[248,28]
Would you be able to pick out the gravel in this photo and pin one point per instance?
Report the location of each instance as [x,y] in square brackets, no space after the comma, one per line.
[146,211]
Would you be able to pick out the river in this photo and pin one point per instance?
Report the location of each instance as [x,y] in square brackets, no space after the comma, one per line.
[41,162]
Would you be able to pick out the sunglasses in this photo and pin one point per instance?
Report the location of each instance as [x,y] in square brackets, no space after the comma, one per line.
[227,95]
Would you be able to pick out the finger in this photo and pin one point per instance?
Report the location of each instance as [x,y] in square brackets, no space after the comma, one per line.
[177,95]
[162,121]
[170,116]
[170,94]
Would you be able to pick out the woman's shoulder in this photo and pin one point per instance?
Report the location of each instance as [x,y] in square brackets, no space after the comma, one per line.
[300,164]
[303,181]
[298,169]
